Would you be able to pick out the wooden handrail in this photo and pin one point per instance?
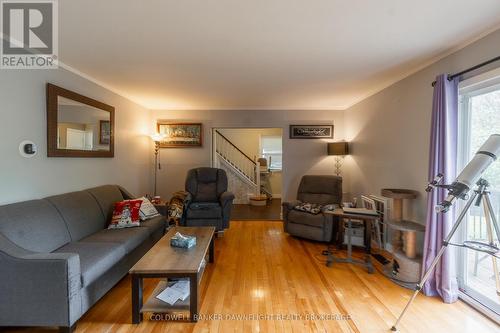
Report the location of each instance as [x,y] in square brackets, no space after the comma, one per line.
[232,144]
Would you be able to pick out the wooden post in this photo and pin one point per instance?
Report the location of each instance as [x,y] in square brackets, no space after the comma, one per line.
[397,215]
[410,244]
[397,210]
[398,195]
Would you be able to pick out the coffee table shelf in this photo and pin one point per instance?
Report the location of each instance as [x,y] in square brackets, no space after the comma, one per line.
[153,304]
[156,305]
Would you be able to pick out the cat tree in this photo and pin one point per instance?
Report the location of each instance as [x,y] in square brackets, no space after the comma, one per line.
[406,264]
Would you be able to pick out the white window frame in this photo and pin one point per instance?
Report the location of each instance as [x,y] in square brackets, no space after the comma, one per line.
[262,153]
[477,85]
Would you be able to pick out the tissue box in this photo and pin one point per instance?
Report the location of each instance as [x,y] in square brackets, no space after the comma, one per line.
[179,240]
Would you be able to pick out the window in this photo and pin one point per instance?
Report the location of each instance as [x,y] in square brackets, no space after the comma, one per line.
[479,118]
[270,149]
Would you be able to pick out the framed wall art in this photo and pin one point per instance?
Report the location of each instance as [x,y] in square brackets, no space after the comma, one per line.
[311,131]
[180,135]
[104,132]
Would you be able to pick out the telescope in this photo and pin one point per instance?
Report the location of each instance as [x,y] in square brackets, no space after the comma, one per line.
[485,156]
[460,188]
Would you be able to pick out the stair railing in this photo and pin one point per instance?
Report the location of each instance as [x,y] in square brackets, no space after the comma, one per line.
[236,158]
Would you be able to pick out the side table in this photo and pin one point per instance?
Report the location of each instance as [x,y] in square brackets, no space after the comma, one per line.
[367,221]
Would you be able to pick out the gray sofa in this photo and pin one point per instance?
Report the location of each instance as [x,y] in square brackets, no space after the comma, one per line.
[209,203]
[57,258]
[313,189]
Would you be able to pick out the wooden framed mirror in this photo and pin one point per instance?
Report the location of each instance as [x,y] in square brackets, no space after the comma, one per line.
[78,126]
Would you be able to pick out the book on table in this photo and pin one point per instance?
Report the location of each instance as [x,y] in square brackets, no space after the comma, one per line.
[176,291]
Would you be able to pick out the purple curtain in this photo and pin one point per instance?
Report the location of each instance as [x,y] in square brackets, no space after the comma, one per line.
[442,159]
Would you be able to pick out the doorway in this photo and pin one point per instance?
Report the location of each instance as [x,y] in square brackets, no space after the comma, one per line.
[252,159]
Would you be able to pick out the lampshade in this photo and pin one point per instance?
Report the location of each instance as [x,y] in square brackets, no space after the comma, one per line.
[157,137]
[338,148]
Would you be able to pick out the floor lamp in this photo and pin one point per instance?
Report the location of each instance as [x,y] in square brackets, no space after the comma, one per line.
[339,150]
[157,138]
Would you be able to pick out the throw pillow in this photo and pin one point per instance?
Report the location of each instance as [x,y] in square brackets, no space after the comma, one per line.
[307,207]
[315,209]
[126,214]
[148,210]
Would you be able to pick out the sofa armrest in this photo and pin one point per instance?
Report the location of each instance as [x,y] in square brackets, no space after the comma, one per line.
[188,198]
[126,194]
[225,198]
[226,202]
[38,289]
[287,207]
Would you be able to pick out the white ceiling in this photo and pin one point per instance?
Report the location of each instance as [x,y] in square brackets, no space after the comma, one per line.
[261,54]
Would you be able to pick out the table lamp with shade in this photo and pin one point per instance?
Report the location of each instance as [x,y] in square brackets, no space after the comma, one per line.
[339,150]
[157,138]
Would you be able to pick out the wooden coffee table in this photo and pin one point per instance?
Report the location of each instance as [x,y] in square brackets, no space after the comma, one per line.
[164,261]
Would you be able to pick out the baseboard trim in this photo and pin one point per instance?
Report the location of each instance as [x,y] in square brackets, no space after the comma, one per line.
[479,307]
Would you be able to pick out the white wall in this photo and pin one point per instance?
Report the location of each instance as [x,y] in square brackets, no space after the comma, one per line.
[389,132]
[300,157]
[23,117]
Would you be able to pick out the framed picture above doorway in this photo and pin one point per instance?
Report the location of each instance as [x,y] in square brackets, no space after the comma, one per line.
[311,131]
[180,135]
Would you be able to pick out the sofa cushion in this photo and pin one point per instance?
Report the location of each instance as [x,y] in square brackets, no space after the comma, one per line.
[312,220]
[34,225]
[106,196]
[80,211]
[95,258]
[154,224]
[130,238]
[204,210]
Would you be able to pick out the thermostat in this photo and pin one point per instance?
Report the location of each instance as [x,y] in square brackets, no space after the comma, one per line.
[27,148]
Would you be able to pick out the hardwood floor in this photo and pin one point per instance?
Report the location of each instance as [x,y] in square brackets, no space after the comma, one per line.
[272,211]
[260,270]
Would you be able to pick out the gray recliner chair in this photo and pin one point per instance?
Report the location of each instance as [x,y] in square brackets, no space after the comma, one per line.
[319,190]
[209,204]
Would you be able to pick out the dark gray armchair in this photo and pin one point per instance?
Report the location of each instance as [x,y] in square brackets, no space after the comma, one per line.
[210,204]
[313,189]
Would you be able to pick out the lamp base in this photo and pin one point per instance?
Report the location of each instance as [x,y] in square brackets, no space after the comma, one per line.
[338,166]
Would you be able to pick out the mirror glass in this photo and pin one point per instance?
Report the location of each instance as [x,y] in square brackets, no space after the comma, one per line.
[82,127]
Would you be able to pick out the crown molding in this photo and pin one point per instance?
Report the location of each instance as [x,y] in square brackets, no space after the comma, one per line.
[425,64]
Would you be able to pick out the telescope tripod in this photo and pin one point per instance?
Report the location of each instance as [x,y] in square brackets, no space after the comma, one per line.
[481,194]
